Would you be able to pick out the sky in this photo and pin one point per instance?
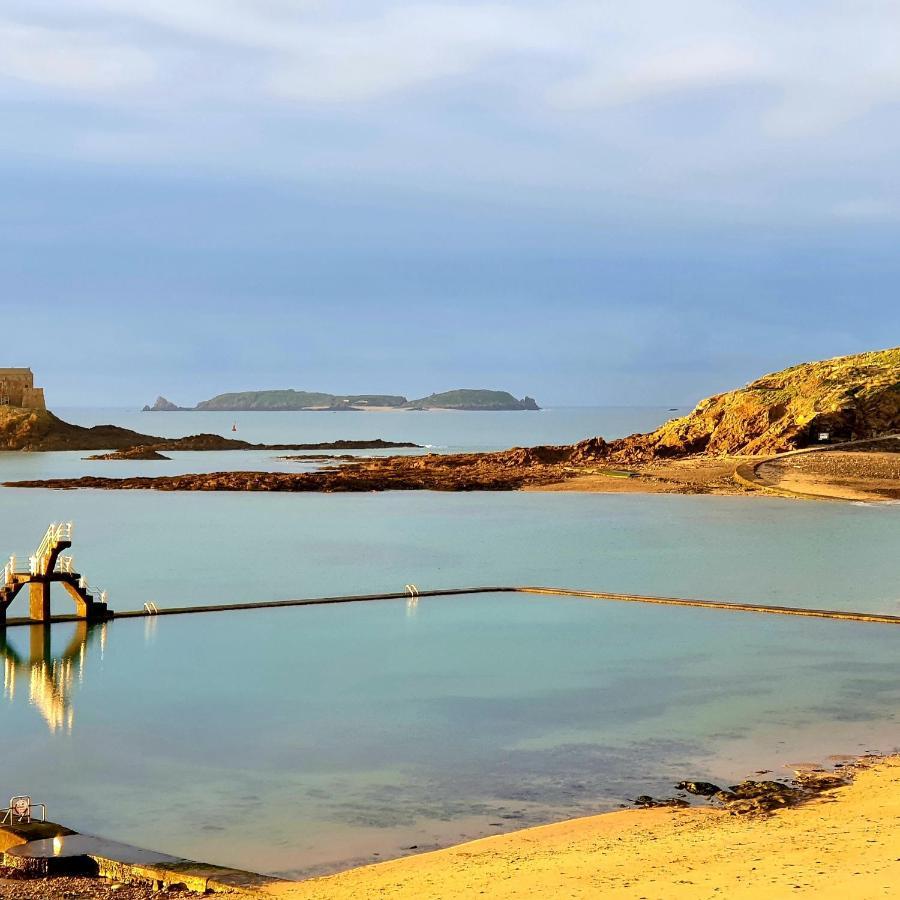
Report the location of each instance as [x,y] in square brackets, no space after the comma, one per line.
[586,202]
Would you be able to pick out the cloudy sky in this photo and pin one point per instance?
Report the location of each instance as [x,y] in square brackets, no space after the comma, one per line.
[589,202]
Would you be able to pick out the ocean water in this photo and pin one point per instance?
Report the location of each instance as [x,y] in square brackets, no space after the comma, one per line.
[440,429]
[302,740]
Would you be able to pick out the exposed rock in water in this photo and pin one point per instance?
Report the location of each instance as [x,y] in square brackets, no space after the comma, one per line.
[698,788]
[163,405]
[138,453]
[647,802]
[376,444]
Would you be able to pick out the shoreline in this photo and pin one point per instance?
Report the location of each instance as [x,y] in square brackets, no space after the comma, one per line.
[837,845]
[837,842]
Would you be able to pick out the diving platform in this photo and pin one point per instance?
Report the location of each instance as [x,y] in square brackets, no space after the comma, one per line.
[50,565]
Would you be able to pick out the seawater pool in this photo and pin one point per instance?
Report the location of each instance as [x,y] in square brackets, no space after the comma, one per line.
[299,740]
[302,740]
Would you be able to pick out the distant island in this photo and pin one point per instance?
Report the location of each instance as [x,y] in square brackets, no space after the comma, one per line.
[291,400]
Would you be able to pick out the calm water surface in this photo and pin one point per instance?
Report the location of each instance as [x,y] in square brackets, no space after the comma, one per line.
[305,739]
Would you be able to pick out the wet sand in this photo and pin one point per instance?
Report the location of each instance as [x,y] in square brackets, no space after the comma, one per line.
[842,845]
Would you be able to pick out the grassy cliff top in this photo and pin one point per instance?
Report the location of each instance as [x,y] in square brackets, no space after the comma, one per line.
[293,400]
[472,400]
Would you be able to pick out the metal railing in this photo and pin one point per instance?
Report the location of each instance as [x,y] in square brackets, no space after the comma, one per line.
[12,816]
[56,532]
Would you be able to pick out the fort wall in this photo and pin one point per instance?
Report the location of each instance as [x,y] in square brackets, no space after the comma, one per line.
[17,389]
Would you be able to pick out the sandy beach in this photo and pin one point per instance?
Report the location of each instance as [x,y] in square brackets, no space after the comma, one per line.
[845,844]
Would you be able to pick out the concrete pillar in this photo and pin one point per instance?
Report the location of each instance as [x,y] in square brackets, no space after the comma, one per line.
[40,600]
[82,606]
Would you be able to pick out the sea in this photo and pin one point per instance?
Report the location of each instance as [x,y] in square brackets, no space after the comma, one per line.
[305,740]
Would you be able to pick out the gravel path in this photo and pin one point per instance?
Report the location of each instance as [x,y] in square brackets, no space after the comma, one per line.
[14,887]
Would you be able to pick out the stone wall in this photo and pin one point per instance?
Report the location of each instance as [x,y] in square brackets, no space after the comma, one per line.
[17,389]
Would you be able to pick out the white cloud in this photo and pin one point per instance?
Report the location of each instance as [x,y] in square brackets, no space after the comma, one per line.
[651,75]
[542,93]
[405,49]
[71,62]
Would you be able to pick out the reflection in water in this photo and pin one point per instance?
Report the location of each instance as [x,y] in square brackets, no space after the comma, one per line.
[51,678]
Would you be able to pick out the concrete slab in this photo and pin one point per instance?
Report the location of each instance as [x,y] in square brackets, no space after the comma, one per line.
[84,854]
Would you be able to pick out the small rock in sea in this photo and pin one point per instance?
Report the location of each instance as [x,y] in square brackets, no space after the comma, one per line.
[699,788]
[645,801]
[414,847]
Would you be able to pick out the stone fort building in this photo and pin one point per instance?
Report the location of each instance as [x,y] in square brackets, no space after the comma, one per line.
[17,389]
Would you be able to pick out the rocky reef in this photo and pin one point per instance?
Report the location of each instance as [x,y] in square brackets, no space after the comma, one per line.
[131,453]
[754,797]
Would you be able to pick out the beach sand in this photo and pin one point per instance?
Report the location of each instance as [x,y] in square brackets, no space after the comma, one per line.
[845,845]
[692,475]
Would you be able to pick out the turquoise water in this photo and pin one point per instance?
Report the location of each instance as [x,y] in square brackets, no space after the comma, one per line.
[306,739]
[299,740]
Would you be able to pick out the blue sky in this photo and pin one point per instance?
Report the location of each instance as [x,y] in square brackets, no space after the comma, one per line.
[588,202]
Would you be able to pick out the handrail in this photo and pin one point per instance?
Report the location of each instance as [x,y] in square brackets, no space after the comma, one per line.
[56,532]
[11,817]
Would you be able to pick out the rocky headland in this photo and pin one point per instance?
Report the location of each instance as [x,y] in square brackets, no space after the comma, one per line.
[40,430]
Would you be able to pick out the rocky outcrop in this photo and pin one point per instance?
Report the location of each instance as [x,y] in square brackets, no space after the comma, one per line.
[847,398]
[39,429]
[163,405]
[131,453]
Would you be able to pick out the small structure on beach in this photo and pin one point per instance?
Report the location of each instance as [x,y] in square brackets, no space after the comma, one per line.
[46,566]
[17,389]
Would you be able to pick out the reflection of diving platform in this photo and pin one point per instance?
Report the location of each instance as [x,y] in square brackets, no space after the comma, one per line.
[46,566]
[51,677]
